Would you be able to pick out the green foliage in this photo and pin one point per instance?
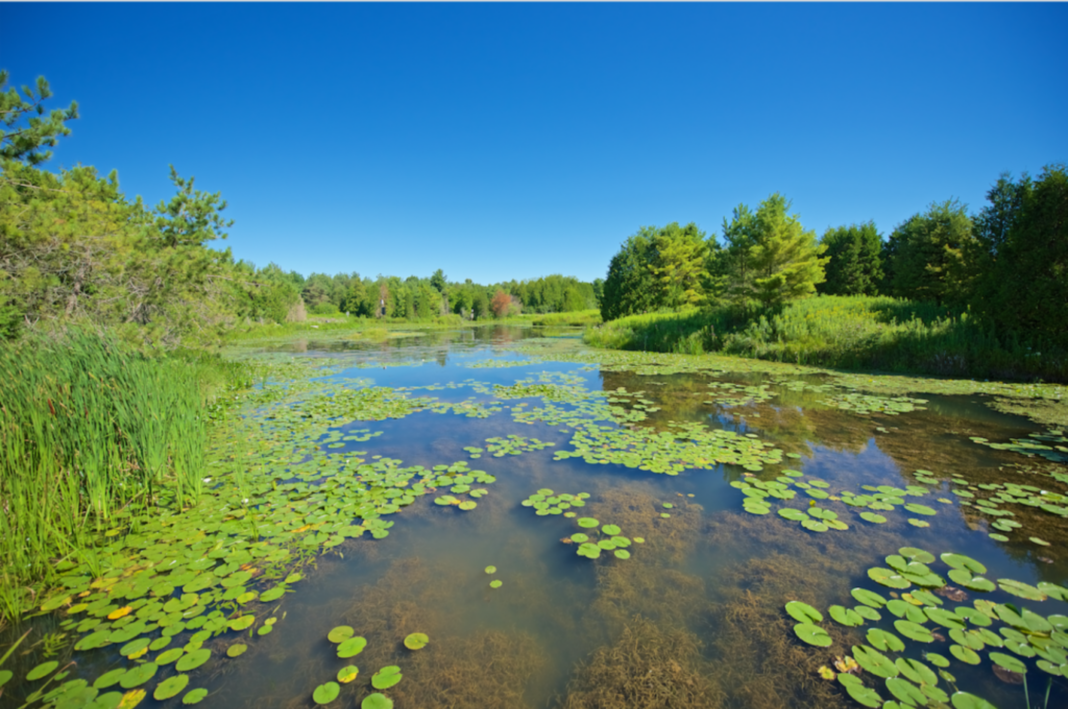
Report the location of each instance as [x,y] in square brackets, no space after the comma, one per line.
[924,256]
[629,287]
[836,331]
[91,430]
[678,264]
[191,217]
[27,143]
[1020,257]
[854,266]
[785,259]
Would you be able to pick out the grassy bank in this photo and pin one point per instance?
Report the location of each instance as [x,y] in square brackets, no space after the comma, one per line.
[91,432]
[857,332]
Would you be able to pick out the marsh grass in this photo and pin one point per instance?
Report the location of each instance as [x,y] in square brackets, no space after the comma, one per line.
[90,432]
[855,332]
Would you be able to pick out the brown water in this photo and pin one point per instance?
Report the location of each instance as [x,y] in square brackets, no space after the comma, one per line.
[694,618]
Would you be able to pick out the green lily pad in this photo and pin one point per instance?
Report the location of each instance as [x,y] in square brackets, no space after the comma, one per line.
[803,612]
[326,693]
[960,561]
[496,583]
[491,569]
[347,674]
[813,634]
[937,660]
[915,554]
[1021,589]
[874,661]
[845,616]
[913,631]
[610,529]
[884,640]
[793,514]
[193,660]
[888,578]
[906,691]
[137,675]
[376,701]
[170,687]
[872,517]
[109,678]
[964,654]
[169,656]
[965,700]
[41,670]
[621,554]
[863,695]
[194,696]
[386,677]
[916,671]
[416,641]
[868,598]
[1008,662]
[587,522]
[351,647]
[236,650]
[919,509]
[340,634]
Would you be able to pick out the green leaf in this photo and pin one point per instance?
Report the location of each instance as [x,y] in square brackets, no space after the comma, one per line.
[326,693]
[813,634]
[803,612]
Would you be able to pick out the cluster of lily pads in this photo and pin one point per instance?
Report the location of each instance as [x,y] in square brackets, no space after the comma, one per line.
[596,538]
[1051,445]
[459,478]
[882,498]
[871,403]
[730,394]
[350,645]
[1023,633]
[513,444]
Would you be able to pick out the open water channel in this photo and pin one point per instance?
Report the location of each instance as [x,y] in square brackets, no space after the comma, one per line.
[648,518]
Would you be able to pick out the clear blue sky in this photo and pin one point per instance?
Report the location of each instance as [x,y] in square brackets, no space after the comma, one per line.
[501,141]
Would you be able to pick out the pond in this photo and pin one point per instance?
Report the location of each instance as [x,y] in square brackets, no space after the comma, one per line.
[503,518]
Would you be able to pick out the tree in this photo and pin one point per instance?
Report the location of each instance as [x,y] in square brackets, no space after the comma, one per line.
[191,217]
[924,257]
[730,269]
[630,287]
[854,266]
[479,303]
[26,143]
[1020,256]
[678,265]
[770,257]
[598,291]
[439,281]
[501,304]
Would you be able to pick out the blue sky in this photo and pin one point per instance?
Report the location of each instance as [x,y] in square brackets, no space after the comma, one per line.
[501,141]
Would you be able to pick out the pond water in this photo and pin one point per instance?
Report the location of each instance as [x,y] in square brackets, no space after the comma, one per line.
[683,469]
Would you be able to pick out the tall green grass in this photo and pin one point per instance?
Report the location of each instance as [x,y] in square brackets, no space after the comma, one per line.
[856,332]
[90,432]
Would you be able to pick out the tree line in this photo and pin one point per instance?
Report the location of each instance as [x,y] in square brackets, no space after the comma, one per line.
[1006,265]
[75,248]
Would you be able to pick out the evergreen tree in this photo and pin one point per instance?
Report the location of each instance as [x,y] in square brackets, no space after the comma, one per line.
[27,143]
[731,268]
[1020,256]
[854,266]
[678,265]
[924,257]
[630,286]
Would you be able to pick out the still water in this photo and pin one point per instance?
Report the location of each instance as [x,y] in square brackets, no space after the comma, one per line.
[693,614]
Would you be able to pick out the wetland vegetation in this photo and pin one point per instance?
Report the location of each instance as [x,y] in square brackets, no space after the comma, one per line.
[211,497]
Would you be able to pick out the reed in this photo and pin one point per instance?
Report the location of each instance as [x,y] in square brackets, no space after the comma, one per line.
[854,332]
[91,432]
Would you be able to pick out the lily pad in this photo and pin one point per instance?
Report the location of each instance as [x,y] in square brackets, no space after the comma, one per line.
[416,641]
[868,598]
[491,569]
[170,687]
[874,661]
[610,529]
[884,640]
[138,675]
[42,670]
[386,677]
[960,561]
[351,647]
[965,700]
[496,583]
[194,696]
[1008,662]
[913,631]
[376,701]
[193,660]
[964,654]
[340,634]
[236,650]
[587,522]
[803,612]
[845,616]
[347,674]
[813,634]
[326,693]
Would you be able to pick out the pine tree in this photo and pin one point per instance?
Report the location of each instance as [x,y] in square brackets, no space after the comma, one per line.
[854,267]
[783,259]
[678,265]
